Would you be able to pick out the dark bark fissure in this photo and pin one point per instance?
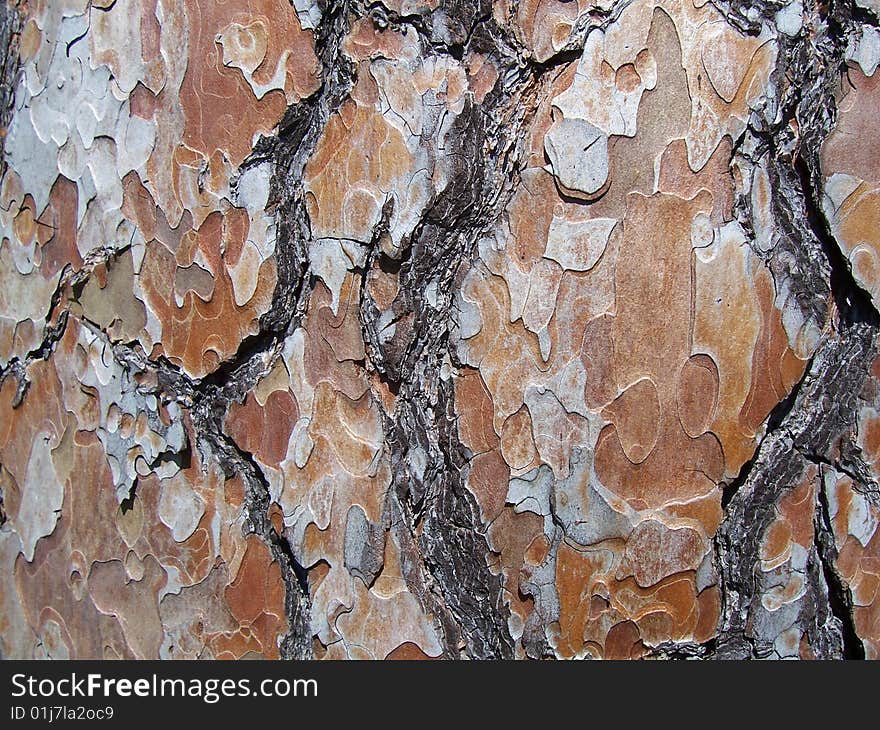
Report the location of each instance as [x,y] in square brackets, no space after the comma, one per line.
[816,422]
[70,285]
[435,507]
[748,16]
[10,32]
[806,433]
[429,507]
[853,303]
[839,595]
[439,514]
[298,136]
[207,399]
[773,421]
[429,463]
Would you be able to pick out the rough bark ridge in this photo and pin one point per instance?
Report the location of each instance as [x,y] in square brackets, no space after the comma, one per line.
[817,423]
[440,328]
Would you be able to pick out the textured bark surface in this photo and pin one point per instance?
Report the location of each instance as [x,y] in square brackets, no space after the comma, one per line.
[440,328]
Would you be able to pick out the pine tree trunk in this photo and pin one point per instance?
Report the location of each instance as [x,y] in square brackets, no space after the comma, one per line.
[440,328]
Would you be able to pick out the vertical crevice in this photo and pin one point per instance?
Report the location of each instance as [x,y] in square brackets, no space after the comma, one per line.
[839,594]
[815,421]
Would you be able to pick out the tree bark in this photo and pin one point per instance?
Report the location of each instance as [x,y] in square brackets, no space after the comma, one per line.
[440,329]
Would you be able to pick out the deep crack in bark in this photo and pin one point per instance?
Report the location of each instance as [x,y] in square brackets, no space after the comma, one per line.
[819,414]
[429,506]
